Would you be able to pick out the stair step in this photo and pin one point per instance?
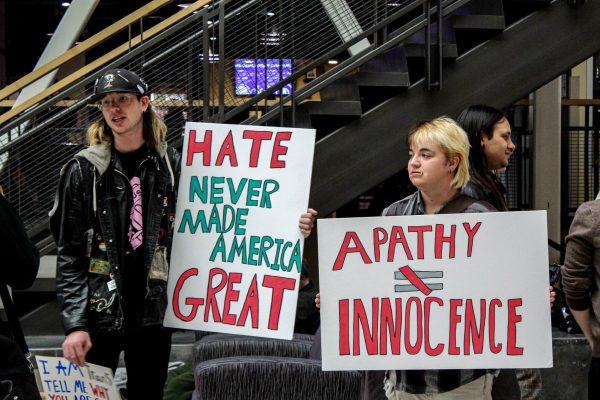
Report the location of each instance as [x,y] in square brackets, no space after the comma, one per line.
[495,22]
[301,120]
[418,50]
[339,107]
[384,79]
[389,69]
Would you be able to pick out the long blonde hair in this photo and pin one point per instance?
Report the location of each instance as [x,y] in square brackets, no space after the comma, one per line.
[154,129]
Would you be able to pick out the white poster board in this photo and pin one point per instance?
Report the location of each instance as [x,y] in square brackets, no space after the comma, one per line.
[454,291]
[63,380]
[237,249]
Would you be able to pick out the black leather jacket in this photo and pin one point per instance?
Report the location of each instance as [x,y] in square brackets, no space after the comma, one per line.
[18,269]
[89,225]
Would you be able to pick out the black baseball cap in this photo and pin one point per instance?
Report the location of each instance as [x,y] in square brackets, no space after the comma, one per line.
[119,80]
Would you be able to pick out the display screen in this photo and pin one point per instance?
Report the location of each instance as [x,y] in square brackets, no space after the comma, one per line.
[250,75]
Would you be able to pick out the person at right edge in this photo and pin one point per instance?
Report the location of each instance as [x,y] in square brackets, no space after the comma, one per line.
[581,280]
[489,135]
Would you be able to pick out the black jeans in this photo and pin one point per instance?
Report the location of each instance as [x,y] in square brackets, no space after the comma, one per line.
[594,379]
[146,357]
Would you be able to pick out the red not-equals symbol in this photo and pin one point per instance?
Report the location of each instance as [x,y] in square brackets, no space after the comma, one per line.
[416,280]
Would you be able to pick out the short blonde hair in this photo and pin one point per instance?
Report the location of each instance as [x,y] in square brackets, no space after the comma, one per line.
[451,138]
[155,130]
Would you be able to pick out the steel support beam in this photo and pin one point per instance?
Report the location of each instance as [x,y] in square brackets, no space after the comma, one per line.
[345,23]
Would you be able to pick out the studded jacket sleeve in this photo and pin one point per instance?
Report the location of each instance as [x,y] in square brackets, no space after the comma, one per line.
[71,231]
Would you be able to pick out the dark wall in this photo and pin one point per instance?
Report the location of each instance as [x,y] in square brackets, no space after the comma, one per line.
[26,24]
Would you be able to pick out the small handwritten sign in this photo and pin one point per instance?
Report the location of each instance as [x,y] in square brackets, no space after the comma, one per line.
[63,380]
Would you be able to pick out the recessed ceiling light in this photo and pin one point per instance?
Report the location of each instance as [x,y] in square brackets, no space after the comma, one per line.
[270,13]
[332,62]
[184,5]
[65,4]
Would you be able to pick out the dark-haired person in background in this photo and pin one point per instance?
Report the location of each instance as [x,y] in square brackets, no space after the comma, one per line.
[491,148]
[20,263]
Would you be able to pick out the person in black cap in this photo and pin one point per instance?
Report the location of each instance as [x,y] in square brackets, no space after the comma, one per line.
[113,224]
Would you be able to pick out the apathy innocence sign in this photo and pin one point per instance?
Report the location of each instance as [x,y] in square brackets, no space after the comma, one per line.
[237,250]
[435,292]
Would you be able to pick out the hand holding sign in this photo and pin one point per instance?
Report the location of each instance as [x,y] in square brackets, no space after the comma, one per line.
[76,345]
[307,222]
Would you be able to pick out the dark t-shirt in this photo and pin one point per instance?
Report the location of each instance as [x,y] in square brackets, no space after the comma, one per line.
[133,273]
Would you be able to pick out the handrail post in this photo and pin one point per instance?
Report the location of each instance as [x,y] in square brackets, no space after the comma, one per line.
[205,69]
[293,91]
[433,75]
[439,45]
[221,61]
[427,6]
[280,55]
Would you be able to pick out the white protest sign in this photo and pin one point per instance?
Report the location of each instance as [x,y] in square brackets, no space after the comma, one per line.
[63,380]
[237,249]
[453,291]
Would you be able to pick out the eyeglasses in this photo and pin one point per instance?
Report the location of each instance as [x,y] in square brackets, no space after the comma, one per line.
[121,101]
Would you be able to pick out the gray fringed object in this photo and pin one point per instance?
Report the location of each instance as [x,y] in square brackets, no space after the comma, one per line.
[200,334]
[265,378]
[224,345]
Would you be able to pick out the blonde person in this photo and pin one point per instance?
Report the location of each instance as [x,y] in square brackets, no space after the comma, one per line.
[438,166]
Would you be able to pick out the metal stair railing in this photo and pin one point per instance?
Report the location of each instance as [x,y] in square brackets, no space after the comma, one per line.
[352,63]
[190,67]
